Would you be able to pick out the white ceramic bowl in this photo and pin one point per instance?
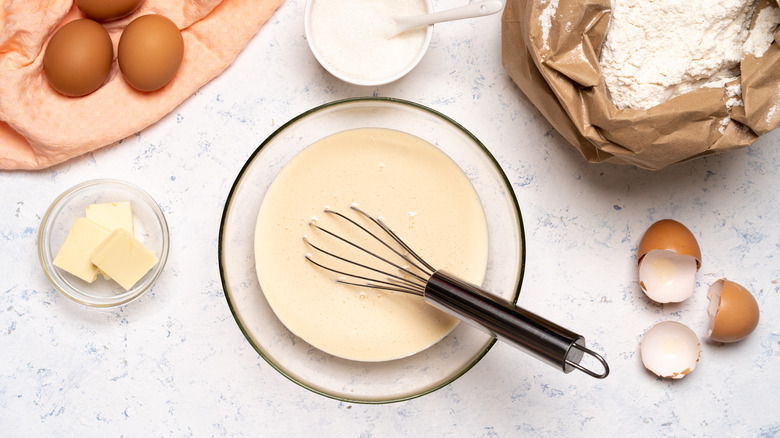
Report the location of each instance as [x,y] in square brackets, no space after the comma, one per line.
[353,381]
[348,74]
[150,228]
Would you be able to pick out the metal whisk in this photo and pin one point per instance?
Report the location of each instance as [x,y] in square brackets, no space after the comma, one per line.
[549,342]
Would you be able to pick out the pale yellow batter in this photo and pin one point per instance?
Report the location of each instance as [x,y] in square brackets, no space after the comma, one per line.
[417,190]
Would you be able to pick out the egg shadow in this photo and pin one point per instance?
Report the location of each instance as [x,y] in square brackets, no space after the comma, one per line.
[723,345]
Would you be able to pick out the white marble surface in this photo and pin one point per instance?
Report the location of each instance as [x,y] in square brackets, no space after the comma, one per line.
[174,363]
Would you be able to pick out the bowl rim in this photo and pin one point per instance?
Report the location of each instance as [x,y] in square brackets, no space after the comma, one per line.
[364,82]
[61,201]
[250,159]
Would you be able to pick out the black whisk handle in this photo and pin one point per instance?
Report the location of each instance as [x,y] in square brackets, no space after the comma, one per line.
[543,339]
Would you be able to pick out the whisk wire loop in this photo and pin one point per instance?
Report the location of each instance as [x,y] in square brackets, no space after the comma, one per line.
[426,268]
[388,286]
[401,284]
[397,239]
[371,253]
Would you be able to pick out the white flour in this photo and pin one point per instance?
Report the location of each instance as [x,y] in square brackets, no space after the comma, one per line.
[762,34]
[657,49]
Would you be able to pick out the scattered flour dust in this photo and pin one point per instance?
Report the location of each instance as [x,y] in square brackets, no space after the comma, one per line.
[546,18]
[734,95]
[773,110]
[734,98]
[657,49]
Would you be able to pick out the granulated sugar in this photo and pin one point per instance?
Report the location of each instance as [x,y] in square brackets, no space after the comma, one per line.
[657,49]
[354,36]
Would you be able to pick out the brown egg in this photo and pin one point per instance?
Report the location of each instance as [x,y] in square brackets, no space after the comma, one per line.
[670,235]
[733,312]
[150,52]
[78,58]
[107,10]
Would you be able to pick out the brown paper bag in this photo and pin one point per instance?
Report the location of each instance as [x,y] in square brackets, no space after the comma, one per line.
[558,69]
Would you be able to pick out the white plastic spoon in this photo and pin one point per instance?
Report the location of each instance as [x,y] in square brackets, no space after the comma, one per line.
[477,9]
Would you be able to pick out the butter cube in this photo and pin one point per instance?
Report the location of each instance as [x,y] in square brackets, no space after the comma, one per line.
[124,258]
[75,254]
[112,215]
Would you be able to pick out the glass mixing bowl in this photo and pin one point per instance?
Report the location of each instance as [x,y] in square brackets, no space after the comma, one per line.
[354,381]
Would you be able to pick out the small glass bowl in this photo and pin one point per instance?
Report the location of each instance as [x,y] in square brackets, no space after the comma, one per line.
[334,377]
[149,225]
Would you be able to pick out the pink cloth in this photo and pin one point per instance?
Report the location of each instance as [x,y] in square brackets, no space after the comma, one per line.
[40,127]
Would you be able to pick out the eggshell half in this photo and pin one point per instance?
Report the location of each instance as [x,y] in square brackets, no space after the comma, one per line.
[733,312]
[670,349]
[670,235]
[667,277]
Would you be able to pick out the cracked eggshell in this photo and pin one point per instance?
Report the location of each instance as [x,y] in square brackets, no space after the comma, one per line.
[670,235]
[733,312]
[668,258]
[670,349]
